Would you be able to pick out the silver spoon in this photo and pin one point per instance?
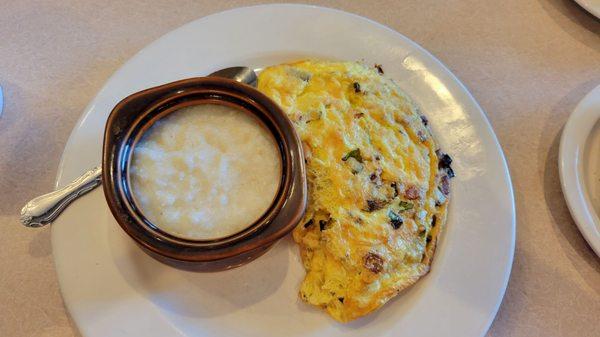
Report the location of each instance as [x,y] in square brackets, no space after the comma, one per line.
[46,208]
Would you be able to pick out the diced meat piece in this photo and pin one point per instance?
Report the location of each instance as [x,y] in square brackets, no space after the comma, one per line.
[374,262]
[412,193]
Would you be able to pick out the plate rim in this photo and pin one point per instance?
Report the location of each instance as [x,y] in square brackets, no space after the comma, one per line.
[505,168]
[595,11]
[571,149]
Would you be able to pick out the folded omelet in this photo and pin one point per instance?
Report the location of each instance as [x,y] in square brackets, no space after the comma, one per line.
[378,185]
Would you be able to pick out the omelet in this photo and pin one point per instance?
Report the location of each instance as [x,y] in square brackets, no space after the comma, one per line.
[378,184]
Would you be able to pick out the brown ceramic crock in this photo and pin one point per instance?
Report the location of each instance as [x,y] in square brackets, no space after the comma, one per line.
[136,113]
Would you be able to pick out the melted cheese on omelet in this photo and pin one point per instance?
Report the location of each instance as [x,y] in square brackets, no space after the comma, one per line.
[376,196]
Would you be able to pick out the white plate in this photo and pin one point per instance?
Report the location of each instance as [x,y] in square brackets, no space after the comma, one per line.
[592,6]
[113,289]
[579,166]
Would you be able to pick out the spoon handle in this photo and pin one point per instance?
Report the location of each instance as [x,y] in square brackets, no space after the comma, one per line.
[44,209]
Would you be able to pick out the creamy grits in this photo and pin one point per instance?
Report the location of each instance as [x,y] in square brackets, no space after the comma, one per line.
[205,172]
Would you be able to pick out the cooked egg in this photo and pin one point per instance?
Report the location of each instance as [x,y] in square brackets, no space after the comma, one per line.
[378,187]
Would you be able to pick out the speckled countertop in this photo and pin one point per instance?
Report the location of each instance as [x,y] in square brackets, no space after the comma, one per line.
[527,62]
